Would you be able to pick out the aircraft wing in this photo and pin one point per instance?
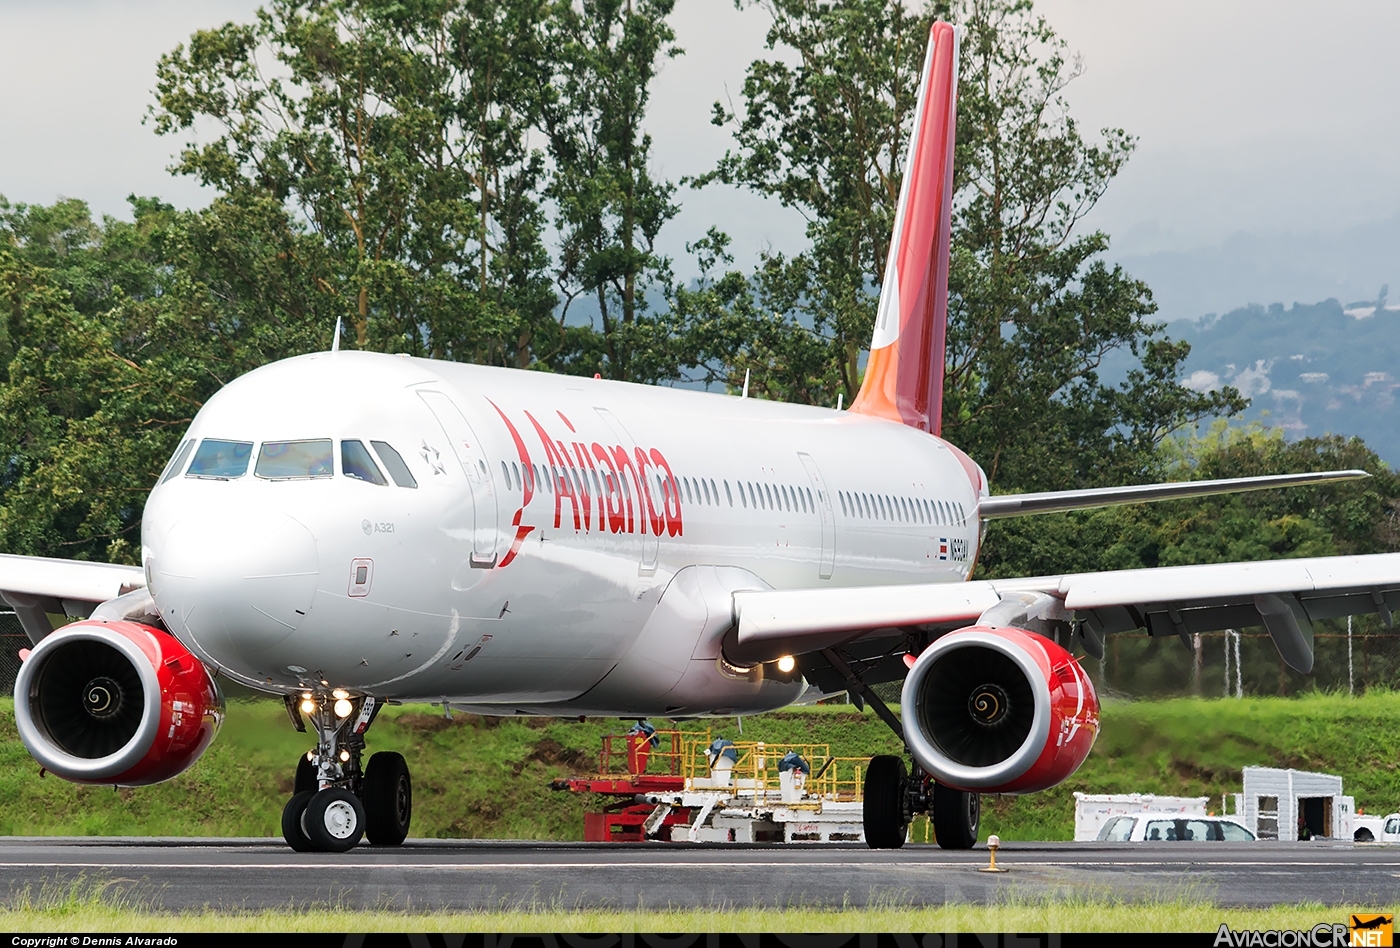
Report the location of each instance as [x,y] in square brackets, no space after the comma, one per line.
[37,587]
[1284,596]
[1056,501]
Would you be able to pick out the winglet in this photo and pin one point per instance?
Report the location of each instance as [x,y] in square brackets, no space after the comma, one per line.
[904,377]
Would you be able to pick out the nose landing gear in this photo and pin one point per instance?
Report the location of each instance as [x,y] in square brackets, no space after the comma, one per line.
[335,803]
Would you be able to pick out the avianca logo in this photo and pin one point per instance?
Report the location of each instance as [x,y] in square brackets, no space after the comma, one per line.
[621,490]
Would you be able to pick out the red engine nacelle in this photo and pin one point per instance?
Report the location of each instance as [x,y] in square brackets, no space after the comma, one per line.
[115,703]
[999,711]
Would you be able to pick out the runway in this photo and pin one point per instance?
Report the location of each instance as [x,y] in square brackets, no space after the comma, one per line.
[178,874]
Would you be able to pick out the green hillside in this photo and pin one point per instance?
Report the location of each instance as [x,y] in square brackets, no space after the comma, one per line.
[486,777]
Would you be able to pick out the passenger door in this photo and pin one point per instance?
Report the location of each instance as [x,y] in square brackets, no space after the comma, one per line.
[650,541]
[471,455]
[828,516]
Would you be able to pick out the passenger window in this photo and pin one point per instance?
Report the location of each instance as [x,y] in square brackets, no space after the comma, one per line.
[1195,831]
[515,469]
[707,492]
[1235,833]
[729,495]
[355,462]
[1117,830]
[280,460]
[844,512]
[221,459]
[714,489]
[393,463]
[177,461]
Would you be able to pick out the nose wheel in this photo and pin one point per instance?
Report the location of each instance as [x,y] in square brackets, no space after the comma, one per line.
[335,803]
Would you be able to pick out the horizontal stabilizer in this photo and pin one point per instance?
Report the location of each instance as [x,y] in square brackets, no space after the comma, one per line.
[1022,505]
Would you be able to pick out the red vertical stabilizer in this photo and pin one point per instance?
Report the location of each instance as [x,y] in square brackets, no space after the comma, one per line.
[904,377]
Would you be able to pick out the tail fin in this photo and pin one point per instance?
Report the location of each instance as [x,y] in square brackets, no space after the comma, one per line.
[904,377]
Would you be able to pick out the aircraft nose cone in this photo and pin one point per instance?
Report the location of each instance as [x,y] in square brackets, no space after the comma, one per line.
[235,579]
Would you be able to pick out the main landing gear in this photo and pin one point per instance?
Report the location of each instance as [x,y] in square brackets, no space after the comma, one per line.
[893,796]
[335,803]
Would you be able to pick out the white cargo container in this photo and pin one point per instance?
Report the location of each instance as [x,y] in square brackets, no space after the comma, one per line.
[1275,799]
[1093,810]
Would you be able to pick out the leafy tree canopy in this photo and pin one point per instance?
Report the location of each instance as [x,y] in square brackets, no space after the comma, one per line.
[1033,310]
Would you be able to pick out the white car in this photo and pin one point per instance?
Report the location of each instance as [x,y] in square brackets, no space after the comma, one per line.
[1172,827]
[1376,829]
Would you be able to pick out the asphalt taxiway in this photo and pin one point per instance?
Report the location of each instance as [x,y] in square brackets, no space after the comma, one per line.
[175,874]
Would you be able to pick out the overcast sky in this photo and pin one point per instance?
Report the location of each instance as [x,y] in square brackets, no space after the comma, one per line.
[1262,116]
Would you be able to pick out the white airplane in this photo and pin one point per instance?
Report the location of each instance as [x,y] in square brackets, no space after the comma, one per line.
[349,529]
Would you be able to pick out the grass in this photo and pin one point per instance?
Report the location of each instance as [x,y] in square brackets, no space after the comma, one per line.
[83,907]
[488,777]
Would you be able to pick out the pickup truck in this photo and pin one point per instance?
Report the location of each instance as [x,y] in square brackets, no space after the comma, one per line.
[1376,829]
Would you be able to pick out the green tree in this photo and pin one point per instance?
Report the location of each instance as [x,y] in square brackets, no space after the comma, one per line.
[1348,517]
[396,133]
[610,208]
[112,335]
[1033,312]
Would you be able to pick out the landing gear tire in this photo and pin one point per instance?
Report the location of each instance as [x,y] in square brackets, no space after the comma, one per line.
[334,820]
[306,778]
[291,822]
[957,815]
[388,796]
[885,808]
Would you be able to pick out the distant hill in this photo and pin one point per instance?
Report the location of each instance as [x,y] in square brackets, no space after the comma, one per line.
[1311,369]
[1249,267]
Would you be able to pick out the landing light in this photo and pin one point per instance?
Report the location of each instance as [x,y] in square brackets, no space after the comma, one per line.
[340,693]
[786,664]
[344,756]
[308,706]
[343,708]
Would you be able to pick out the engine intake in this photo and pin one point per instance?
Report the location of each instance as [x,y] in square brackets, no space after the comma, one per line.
[118,702]
[999,710]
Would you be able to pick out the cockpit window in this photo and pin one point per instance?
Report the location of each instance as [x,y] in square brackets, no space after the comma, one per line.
[220,459]
[394,463]
[355,462]
[285,459]
[177,461]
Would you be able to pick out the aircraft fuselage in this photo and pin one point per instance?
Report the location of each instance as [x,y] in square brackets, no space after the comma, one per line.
[548,518]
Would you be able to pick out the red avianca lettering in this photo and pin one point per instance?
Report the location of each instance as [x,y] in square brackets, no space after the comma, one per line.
[578,473]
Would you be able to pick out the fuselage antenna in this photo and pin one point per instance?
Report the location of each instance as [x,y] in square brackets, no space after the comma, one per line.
[335,340]
[746,384]
[840,397]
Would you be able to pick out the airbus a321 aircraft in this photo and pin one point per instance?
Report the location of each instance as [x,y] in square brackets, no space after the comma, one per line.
[349,529]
